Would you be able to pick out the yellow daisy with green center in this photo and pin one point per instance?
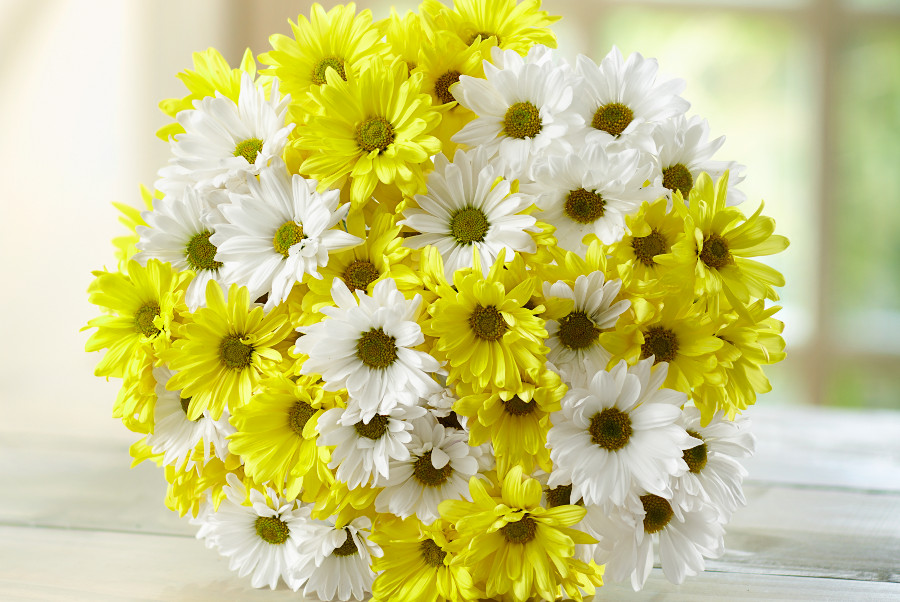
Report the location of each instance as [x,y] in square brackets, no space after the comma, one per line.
[225,351]
[511,543]
[374,127]
[485,332]
[276,432]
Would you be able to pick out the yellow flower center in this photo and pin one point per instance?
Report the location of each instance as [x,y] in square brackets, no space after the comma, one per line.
[432,553]
[695,457]
[521,531]
[610,429]
[287,235]
[427,474]
[715,253]
[442,86]
[375,429]
[248,149]
[299,415]
[376,349]
[348,548]
[612,118]
[200,254]
[469,225]
[661,343]
[517,407]
[678,177]
[487,323]
[648,247]
[143,319]
[331,62]
[235,354]
[584,206]
[577,331]
[360,274]
[272,530]
[658,513]
[375,133]
[522,120]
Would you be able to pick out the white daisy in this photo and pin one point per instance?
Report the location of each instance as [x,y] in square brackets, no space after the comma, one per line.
[574,339]
[714,474]
[440,464]
[174,435]
[178,231]
[262,538]
[279,232]
[618,433]
[364,449]
[367,347]
[225,144]
[523,109]
[335,562]
[621,101]
[465,208]
[683,153]
[591,193]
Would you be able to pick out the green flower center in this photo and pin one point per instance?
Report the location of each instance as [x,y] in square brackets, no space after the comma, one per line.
[484,35]
[360,274]
[612,118]
[658,513]
[348,548]
[610,429]
[375,429]
[200,254]
[487,323]
[427,474]
[331,62]
[661,343]
[695,457]
[648,247]
[715,253]
[677,177]
[376,349]
[248,149]
[584,206]
[560,496]
[521,531]
[287,235]
[432,553]
[143,319]
[235,354]
[272,530]
[469,225]
[577,331]
[299,415]
[375,133]
[517,407]
[442,86]
[522,120]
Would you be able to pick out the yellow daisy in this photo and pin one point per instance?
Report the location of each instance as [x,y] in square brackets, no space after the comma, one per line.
[188,487]
[374,127]
[225,351]
[406,36]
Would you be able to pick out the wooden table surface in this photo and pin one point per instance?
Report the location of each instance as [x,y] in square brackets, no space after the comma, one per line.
[822,522]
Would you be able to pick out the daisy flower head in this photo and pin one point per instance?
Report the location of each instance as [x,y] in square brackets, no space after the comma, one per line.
[523,109]
[406,35]
[440,464]
[621,101]
[467,209]
[374,127]
[260,533]
[366,345]
[617,434]
[279,234]
[364,448]
[225,144]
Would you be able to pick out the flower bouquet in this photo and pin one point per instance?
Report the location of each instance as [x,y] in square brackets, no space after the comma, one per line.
[422,310]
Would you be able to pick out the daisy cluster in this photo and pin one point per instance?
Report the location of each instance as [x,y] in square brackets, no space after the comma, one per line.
[423,311]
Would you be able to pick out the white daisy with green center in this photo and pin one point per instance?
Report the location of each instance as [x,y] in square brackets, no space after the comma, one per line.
[279,233]
[574,339]
[683,152]
[621,101]
[178,231]
[259,533]
[225,144]
[367,346]
[440,464]
[175,436]
[364,448]
[523,109]
[468,209]
[591,193]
